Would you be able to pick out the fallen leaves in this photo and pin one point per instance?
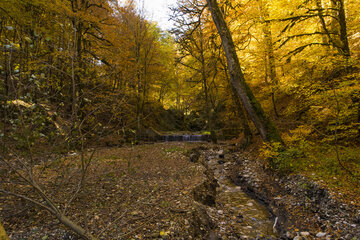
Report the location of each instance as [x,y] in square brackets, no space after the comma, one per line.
[130,192]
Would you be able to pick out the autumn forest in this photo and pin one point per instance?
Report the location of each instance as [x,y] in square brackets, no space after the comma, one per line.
[114,128]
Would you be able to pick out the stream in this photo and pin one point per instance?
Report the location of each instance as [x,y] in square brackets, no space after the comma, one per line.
[240,216]
[185,138]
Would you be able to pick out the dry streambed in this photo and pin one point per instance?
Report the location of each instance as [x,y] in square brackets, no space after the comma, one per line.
[234,214]
[181,190]
[155,191]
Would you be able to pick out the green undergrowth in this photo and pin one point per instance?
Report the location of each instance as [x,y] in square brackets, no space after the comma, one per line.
[336,166]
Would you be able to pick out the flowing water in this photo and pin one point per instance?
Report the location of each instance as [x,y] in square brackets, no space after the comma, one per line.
[185,138]
[241,216]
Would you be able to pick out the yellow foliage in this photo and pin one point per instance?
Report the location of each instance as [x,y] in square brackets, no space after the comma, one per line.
[3,235]
[299,133]
[270,150]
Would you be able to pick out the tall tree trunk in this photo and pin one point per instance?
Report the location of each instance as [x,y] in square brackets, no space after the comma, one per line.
[244,121]
[270,56]
[239,108]
[326,37]
[208,111]
[339,27]
[73,82]
[253,108]
[343,29]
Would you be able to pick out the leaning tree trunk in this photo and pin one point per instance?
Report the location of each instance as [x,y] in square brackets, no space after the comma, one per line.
[253,108]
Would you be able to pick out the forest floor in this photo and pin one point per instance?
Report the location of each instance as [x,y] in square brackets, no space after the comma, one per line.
[147,192]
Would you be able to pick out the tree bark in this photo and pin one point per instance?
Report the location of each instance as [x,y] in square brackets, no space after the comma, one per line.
[270,56]
[244,121]
[339,27]
[240,110]
[343,29]
[326,38]
[253,108]
[74,227]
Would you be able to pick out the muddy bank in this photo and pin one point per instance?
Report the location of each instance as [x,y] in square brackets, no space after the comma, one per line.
[305,210]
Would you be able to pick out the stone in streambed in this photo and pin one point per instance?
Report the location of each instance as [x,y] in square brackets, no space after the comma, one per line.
[320,234]
[201,223]
[205,192]
[194,157]
[221,162]
[305,234]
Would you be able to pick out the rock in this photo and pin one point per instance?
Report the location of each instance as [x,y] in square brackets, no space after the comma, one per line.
[155,235]
[205,192]
[135,213]
[297,238]
[220,212]
[221,162]
[305,234]
[212,236]
[357,218]
[320,234]
[201,223]
[194,157]
[250,204]
[289,235]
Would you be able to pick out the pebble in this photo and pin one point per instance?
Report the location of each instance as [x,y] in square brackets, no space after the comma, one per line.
[297,238]
[305,234]
[320,234]
[220,212]
[289,235]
